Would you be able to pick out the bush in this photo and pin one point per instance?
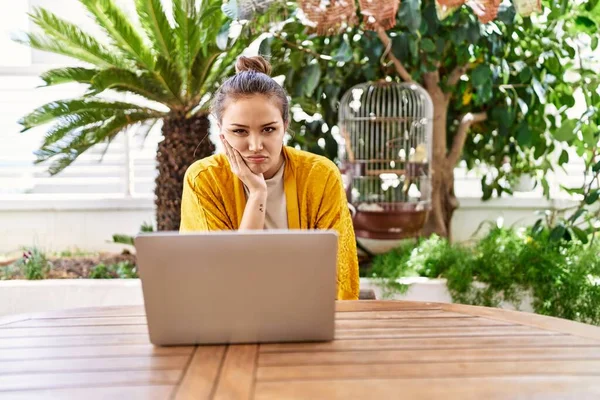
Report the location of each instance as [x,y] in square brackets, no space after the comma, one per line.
[33,265]
[122,270]
[562,276]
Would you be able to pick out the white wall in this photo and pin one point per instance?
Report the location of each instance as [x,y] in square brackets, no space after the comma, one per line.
[61,224]
[88,223]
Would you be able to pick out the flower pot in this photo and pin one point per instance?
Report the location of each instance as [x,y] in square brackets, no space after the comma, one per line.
[389,221]
[525,183]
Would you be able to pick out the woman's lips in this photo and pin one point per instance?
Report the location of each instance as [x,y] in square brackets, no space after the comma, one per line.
[256,160]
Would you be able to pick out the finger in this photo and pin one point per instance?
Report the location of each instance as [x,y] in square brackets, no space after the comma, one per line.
[240,162]
[225,146]
[229,153]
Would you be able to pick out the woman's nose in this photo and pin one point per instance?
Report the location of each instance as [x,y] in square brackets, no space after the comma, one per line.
[255,143]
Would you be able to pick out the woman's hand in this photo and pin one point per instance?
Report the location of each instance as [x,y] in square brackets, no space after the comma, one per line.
[254,182]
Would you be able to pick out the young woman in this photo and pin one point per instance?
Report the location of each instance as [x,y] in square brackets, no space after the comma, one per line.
[261,184]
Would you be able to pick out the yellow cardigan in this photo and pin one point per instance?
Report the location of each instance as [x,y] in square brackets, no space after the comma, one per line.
[214,199]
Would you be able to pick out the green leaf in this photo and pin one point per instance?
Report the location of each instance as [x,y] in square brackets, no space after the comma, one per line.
[577,214]
[123,239]
[537,228]
[264,49]
[120,31]
[525,75]
[66,154]
[592,197]
[473,33]
[586,24]
[144,84]
[223,36]
[546,187]
[59,76]
[481,75]
[343,53]
[564,158]
[68,39]
[553,65]
[428,46]
[524,134]
[558,232]
[61,108]
[596,167]
[155,23]
[409,14]
[588,133]
[310,79]
[566,132]
[580,234]
[200,72]
[169,77]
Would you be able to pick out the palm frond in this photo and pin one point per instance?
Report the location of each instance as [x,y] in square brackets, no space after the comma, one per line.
[210,20]
[157,27]
[62,33]
[58,76]
[167,74]
[83,138]
[61,108]
[217,68]
[122,33]
[143,84]
[52,45]
[70,126]
[201,68]
[187,36]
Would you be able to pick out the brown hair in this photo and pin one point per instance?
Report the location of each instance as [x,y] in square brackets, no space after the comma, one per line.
[252,77]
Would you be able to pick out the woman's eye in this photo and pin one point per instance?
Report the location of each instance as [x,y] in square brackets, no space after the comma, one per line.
[269,129]
[239,131]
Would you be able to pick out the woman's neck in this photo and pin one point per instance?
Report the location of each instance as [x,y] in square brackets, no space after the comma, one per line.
[271,172]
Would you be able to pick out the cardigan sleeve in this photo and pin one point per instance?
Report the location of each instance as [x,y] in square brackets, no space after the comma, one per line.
[334,214]
[201,209]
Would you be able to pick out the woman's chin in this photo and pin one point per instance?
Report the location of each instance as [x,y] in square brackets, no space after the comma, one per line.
[258,169]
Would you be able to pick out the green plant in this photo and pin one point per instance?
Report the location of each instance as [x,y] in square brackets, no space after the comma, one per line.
[561,276]
[101,271]
[128,239]
[167,67]
[33,265]
[492,84]
[390,267]
[121,270]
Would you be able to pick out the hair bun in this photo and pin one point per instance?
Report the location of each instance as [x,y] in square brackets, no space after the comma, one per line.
[255,63]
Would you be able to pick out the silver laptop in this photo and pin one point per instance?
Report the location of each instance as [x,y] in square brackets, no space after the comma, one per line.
[238,287]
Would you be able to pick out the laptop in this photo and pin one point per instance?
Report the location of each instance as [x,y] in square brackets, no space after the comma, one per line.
[238,286]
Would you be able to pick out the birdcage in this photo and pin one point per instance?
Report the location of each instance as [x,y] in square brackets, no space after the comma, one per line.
[387,128]
[249,8]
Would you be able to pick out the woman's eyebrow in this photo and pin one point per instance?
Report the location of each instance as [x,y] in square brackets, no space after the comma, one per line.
[246,126]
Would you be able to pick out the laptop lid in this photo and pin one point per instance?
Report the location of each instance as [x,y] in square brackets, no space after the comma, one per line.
[238,286]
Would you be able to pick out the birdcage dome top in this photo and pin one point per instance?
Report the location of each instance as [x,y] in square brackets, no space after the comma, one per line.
[382,99]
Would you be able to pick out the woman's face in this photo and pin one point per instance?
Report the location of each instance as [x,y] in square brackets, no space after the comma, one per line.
[254,127]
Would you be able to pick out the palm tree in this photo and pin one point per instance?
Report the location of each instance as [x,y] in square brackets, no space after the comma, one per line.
[173,62]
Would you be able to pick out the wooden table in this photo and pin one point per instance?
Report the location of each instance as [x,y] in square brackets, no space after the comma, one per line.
[383,349]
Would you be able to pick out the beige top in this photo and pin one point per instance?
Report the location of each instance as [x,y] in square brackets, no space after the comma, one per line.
[276,216]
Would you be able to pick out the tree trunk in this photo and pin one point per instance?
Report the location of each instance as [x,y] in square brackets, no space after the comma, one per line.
[185,141]
[443,200]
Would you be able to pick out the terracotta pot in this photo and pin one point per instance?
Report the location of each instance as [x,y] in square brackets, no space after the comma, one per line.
[396,221]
